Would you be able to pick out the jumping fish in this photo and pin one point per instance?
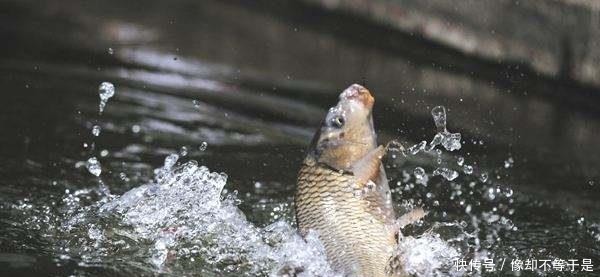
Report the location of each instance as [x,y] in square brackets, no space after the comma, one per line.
[343,193]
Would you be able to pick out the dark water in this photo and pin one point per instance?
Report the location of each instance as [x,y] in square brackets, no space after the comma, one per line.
[253,82]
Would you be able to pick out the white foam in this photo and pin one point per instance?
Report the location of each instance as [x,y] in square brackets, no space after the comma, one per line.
[427,255]
[184,216]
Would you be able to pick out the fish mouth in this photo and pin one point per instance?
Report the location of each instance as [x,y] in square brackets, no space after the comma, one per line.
[359,93]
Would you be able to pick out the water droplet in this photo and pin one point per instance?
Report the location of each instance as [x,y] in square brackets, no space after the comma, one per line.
[106,91]
[419,173]
[196,104]
[439,117]
[509,162]
[171,160]
[413,150]
[135,129]
[395,146]
[460,161]
[467,169]
[483,177]
[451,141]
[104,153]
[93,166]
[96,130]
[203,146]
[468,209]
[437,140]
[447,173]
[183,151]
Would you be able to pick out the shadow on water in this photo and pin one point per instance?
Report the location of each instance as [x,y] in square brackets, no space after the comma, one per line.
[254,81]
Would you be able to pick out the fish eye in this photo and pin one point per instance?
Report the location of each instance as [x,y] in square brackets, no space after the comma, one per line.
[338,121]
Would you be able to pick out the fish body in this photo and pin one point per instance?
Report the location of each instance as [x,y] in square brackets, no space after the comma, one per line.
[342,190]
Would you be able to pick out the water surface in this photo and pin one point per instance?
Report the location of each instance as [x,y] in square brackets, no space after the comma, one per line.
[252,83]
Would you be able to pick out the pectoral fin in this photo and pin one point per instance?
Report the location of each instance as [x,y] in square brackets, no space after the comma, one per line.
[411,217]
[406,219]
[368,168]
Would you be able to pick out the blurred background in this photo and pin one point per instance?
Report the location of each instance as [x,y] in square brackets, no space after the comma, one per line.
[520,80]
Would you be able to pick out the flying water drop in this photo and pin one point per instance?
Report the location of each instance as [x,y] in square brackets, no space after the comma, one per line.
[106,91]
[439,118]
[93,166]
[467,169]
[509,162]
[171,160]
[96,130]
[183,151]
[483,177]
[203,146]
[419,172]
[136,128]
[196,103]
[415,149]
[447,173]
[450,141]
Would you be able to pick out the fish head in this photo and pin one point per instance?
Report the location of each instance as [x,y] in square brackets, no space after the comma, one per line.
[347,133]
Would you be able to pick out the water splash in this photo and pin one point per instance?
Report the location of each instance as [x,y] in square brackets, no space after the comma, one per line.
[135,129]
[183,151]
[483,177]
[509,162]
[415,149]
[196,103]
[93,166]
[428,255]
[450,141]
[447,173]
[184,218]
[96,130]
[203,146]
[106,90]
[419,172]
[421,176]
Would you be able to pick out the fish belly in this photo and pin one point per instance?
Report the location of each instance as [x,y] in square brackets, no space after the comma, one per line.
[356,239]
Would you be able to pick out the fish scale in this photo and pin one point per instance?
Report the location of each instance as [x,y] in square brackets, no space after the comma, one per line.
[353,234]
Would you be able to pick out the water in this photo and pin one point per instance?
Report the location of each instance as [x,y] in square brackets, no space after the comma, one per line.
[106,91]
[93,166]
[96,130]
[247,105]
[450,141]
[203,146]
